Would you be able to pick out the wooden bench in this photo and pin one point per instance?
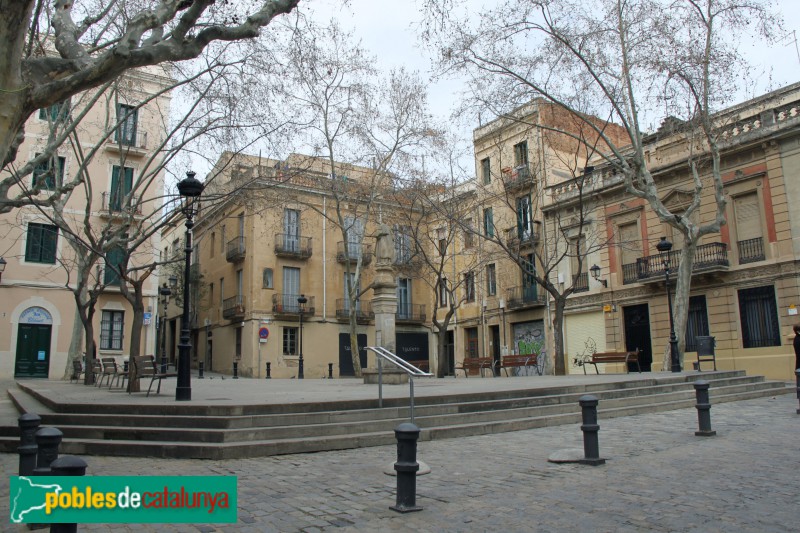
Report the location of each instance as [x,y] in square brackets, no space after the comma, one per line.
[422,364]
[475,363]
[613,357]
[519,361]
[146,368]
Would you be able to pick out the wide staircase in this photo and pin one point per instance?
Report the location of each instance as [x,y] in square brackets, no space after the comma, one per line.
[222,432]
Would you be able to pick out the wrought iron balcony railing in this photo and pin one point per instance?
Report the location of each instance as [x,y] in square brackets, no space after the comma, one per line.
[235,250]
[233,307]
[113,202]
[126,139]
[287,304]
[518,237]
[363,310]
[581,282]
[353,251]
[289,245]
[522,297]
[709,257]
[519,177]
[410,313]
[751,250]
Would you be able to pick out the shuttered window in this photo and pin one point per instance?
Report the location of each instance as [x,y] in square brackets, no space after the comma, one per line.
[697,322]
[759,315]
[41,243]
[630,243]
[748,216]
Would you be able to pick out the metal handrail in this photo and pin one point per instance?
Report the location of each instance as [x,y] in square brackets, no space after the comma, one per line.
[402,364]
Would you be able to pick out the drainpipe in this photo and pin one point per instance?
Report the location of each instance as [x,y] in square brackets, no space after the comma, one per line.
[324,260]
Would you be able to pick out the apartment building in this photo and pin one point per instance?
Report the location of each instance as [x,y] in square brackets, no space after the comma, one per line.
[271,233]
[745,279]
[117,133]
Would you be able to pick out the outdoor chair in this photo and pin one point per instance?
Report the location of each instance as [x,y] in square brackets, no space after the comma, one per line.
[77,371]
[108,368]
[146,368]
[119,374]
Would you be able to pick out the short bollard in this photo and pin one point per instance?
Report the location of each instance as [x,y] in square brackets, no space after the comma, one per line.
[28,424]
[797,373]
[200,369]
[269,369]
[406,467]
[703,409]
[330,370]
[47,440]
[235,370]
[67,465]
[591,444]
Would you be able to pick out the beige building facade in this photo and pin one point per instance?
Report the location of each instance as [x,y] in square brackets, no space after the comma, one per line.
[117,133]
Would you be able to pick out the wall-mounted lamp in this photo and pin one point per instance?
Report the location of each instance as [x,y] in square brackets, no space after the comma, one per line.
[595,270]
[2,267]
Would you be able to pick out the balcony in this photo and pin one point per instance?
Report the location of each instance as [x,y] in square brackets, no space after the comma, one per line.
[354,251]
[410,313]
[235,250]
[518,178]
[113,205]
[520,238]
[292,246]
[525,297]
[132,142]
[363,311]
[711,257]
[286,305]
[580,283]
[751,250]
[233,308]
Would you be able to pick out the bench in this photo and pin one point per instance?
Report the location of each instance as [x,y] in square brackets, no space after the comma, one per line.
[422,364]
[613,357]
[519,361]
[475,363]
[146,368]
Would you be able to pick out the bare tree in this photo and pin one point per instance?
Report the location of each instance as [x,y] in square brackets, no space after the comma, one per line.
[61,49]
[628,61]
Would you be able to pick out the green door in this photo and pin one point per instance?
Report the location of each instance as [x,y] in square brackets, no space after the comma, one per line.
[33,351]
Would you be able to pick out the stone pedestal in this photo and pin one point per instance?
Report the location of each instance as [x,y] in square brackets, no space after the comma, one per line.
[384,305]
[391,375]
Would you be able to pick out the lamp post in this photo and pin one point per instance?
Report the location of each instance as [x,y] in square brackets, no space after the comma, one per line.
[301,301]
[190,189]
[165,291]
[664,246]
[595,271]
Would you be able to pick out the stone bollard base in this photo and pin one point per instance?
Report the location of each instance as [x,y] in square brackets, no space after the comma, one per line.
[593,462]
[705,433]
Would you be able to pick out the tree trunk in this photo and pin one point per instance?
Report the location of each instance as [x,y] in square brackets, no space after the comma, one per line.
[354,351]
[441,338]
[75,344]
[15,16]
[558,336]
[683,287]
[91,347]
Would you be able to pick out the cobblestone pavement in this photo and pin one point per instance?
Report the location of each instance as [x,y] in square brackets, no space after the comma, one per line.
[659,477]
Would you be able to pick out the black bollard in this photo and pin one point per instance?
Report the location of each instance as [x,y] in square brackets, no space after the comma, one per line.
[67,465]
[200,368]
[28,424]
[47,440]
[406,467]
[591,444]
[703,409]
[235,370]
[797,373]
[269,369]
[330,370]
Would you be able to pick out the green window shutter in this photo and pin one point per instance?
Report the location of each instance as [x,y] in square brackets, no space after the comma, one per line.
[33,245]
[49,244]
[128,180]
[114,258]
[115,197]
[41,243]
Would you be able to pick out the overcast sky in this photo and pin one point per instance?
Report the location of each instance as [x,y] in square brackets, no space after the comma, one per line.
[386,29]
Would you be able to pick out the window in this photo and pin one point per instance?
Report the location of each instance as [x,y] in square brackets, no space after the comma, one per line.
[468,237]
[748,228]
[759,315]
[529,288]
[630,249]
[469,286]
[291,289]
[267,278]
[47,177]
[55,112]
[354,229]
[121,186]
[222,292]
[486,171]
[444,297]
[111,326]
[697,322]
[213,244]
[521,154]
[441,241]
[524,217]
[210,294]
[127,119]
[176,248]
[290,341]
[222,240]
[402,244]
[291,230]
[472,342]
[488,222]
[404,298]
[491,280]
[41,243]
[580,281]
[239,282]
[115,259]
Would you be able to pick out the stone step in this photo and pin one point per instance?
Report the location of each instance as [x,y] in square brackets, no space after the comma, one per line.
[267,447]
[448,405]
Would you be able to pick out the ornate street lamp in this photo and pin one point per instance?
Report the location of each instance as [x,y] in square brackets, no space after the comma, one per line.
[664,246]
[190,189]
[165,291]
[595,271]
[301,301]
